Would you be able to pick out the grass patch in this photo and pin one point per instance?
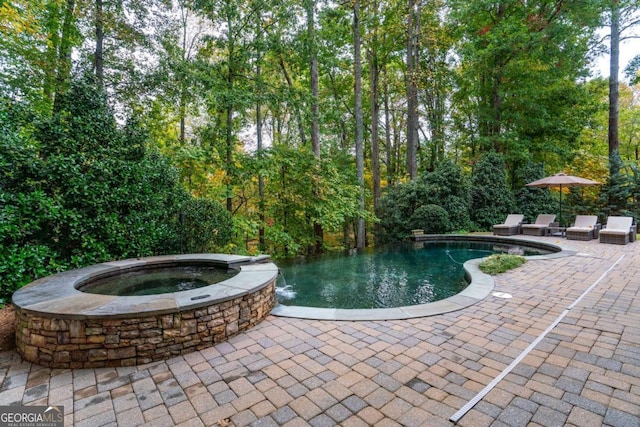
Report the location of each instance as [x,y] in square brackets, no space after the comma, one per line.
[496,264]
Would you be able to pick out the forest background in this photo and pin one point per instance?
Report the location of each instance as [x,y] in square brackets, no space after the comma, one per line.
[132,128]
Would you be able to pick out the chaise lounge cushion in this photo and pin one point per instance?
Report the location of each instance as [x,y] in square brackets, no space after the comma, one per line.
[539,228]
[619,230]
[510,226]
[584,228]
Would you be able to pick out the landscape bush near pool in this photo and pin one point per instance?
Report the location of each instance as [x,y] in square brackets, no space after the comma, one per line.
[496,264]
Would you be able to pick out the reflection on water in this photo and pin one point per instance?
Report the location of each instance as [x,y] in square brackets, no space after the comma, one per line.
[391,277]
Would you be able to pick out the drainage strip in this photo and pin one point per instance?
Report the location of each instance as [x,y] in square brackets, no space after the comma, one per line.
[466,408]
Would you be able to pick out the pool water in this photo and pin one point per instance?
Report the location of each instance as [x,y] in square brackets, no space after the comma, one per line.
[394,276]
[158,281]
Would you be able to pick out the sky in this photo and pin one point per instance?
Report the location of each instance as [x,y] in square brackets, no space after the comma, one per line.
[628,50]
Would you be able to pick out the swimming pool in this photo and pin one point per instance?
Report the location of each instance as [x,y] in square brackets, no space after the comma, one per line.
[395,276]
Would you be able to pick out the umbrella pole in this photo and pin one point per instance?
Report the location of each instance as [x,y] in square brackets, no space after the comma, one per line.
[560,222]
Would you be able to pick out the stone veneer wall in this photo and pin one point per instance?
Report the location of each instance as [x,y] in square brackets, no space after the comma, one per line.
[109,342]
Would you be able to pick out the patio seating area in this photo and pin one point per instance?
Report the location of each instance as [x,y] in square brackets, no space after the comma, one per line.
[579,313]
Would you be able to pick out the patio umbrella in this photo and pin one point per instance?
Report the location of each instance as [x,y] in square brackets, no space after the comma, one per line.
[561,180]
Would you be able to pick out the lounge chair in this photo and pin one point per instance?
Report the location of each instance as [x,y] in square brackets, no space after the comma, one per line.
[510,226]
[620,230]
[585,227]
[538,228]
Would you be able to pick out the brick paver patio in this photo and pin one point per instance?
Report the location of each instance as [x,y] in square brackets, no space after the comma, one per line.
[418,372]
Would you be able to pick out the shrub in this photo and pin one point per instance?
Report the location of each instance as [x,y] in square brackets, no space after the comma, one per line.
[447,187]
[205,226]
[496,264]
[76,189]
[117,198]
[432,219]
[492,199]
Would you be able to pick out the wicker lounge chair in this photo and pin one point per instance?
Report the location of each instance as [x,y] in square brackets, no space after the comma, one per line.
[620,230]
[585,227]
[538,228]
[512,225]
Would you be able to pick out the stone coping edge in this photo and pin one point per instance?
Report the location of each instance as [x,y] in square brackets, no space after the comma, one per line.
[480,286]
[57,296]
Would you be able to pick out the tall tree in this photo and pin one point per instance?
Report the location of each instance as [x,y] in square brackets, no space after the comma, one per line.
[357,71]
[313,67]
[99,55]
[519,65]
[435,79]
[624,15]
[413,32]
[230,58]
[374,102]
[315,94]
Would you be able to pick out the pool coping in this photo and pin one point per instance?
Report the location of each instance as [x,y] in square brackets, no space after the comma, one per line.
[481,285]
[58,295]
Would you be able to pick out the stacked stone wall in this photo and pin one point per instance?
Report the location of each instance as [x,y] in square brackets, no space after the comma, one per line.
[108,342]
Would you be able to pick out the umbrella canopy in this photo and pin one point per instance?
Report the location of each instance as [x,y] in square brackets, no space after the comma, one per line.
[560,180]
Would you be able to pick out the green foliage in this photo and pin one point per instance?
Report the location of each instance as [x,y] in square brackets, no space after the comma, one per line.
[492,199]
[433,219]
[447,188]
[632,71]
[616,194]
[635,190]
[532,201]
[77,189]
[496,264]
[205,226]
[303,190]
[521,63]
[21,264]
[26,213]
[117,198]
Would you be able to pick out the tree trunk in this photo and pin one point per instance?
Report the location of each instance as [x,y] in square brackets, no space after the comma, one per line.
[229,157]
[182,108]
[313,65]
[614,64]
[360,238]
[99,55]
[387,133]
[315,120]
[229,115]
[287,77]
[412,89]
[51,55]
[374,74]
[261,202]
[63,75]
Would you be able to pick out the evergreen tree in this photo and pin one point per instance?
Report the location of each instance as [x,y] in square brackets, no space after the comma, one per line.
[76,188]
[492,198]
[449,187]
[615,197]
[436,202]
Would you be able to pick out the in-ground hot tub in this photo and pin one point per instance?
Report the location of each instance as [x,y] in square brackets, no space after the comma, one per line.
[60,326]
